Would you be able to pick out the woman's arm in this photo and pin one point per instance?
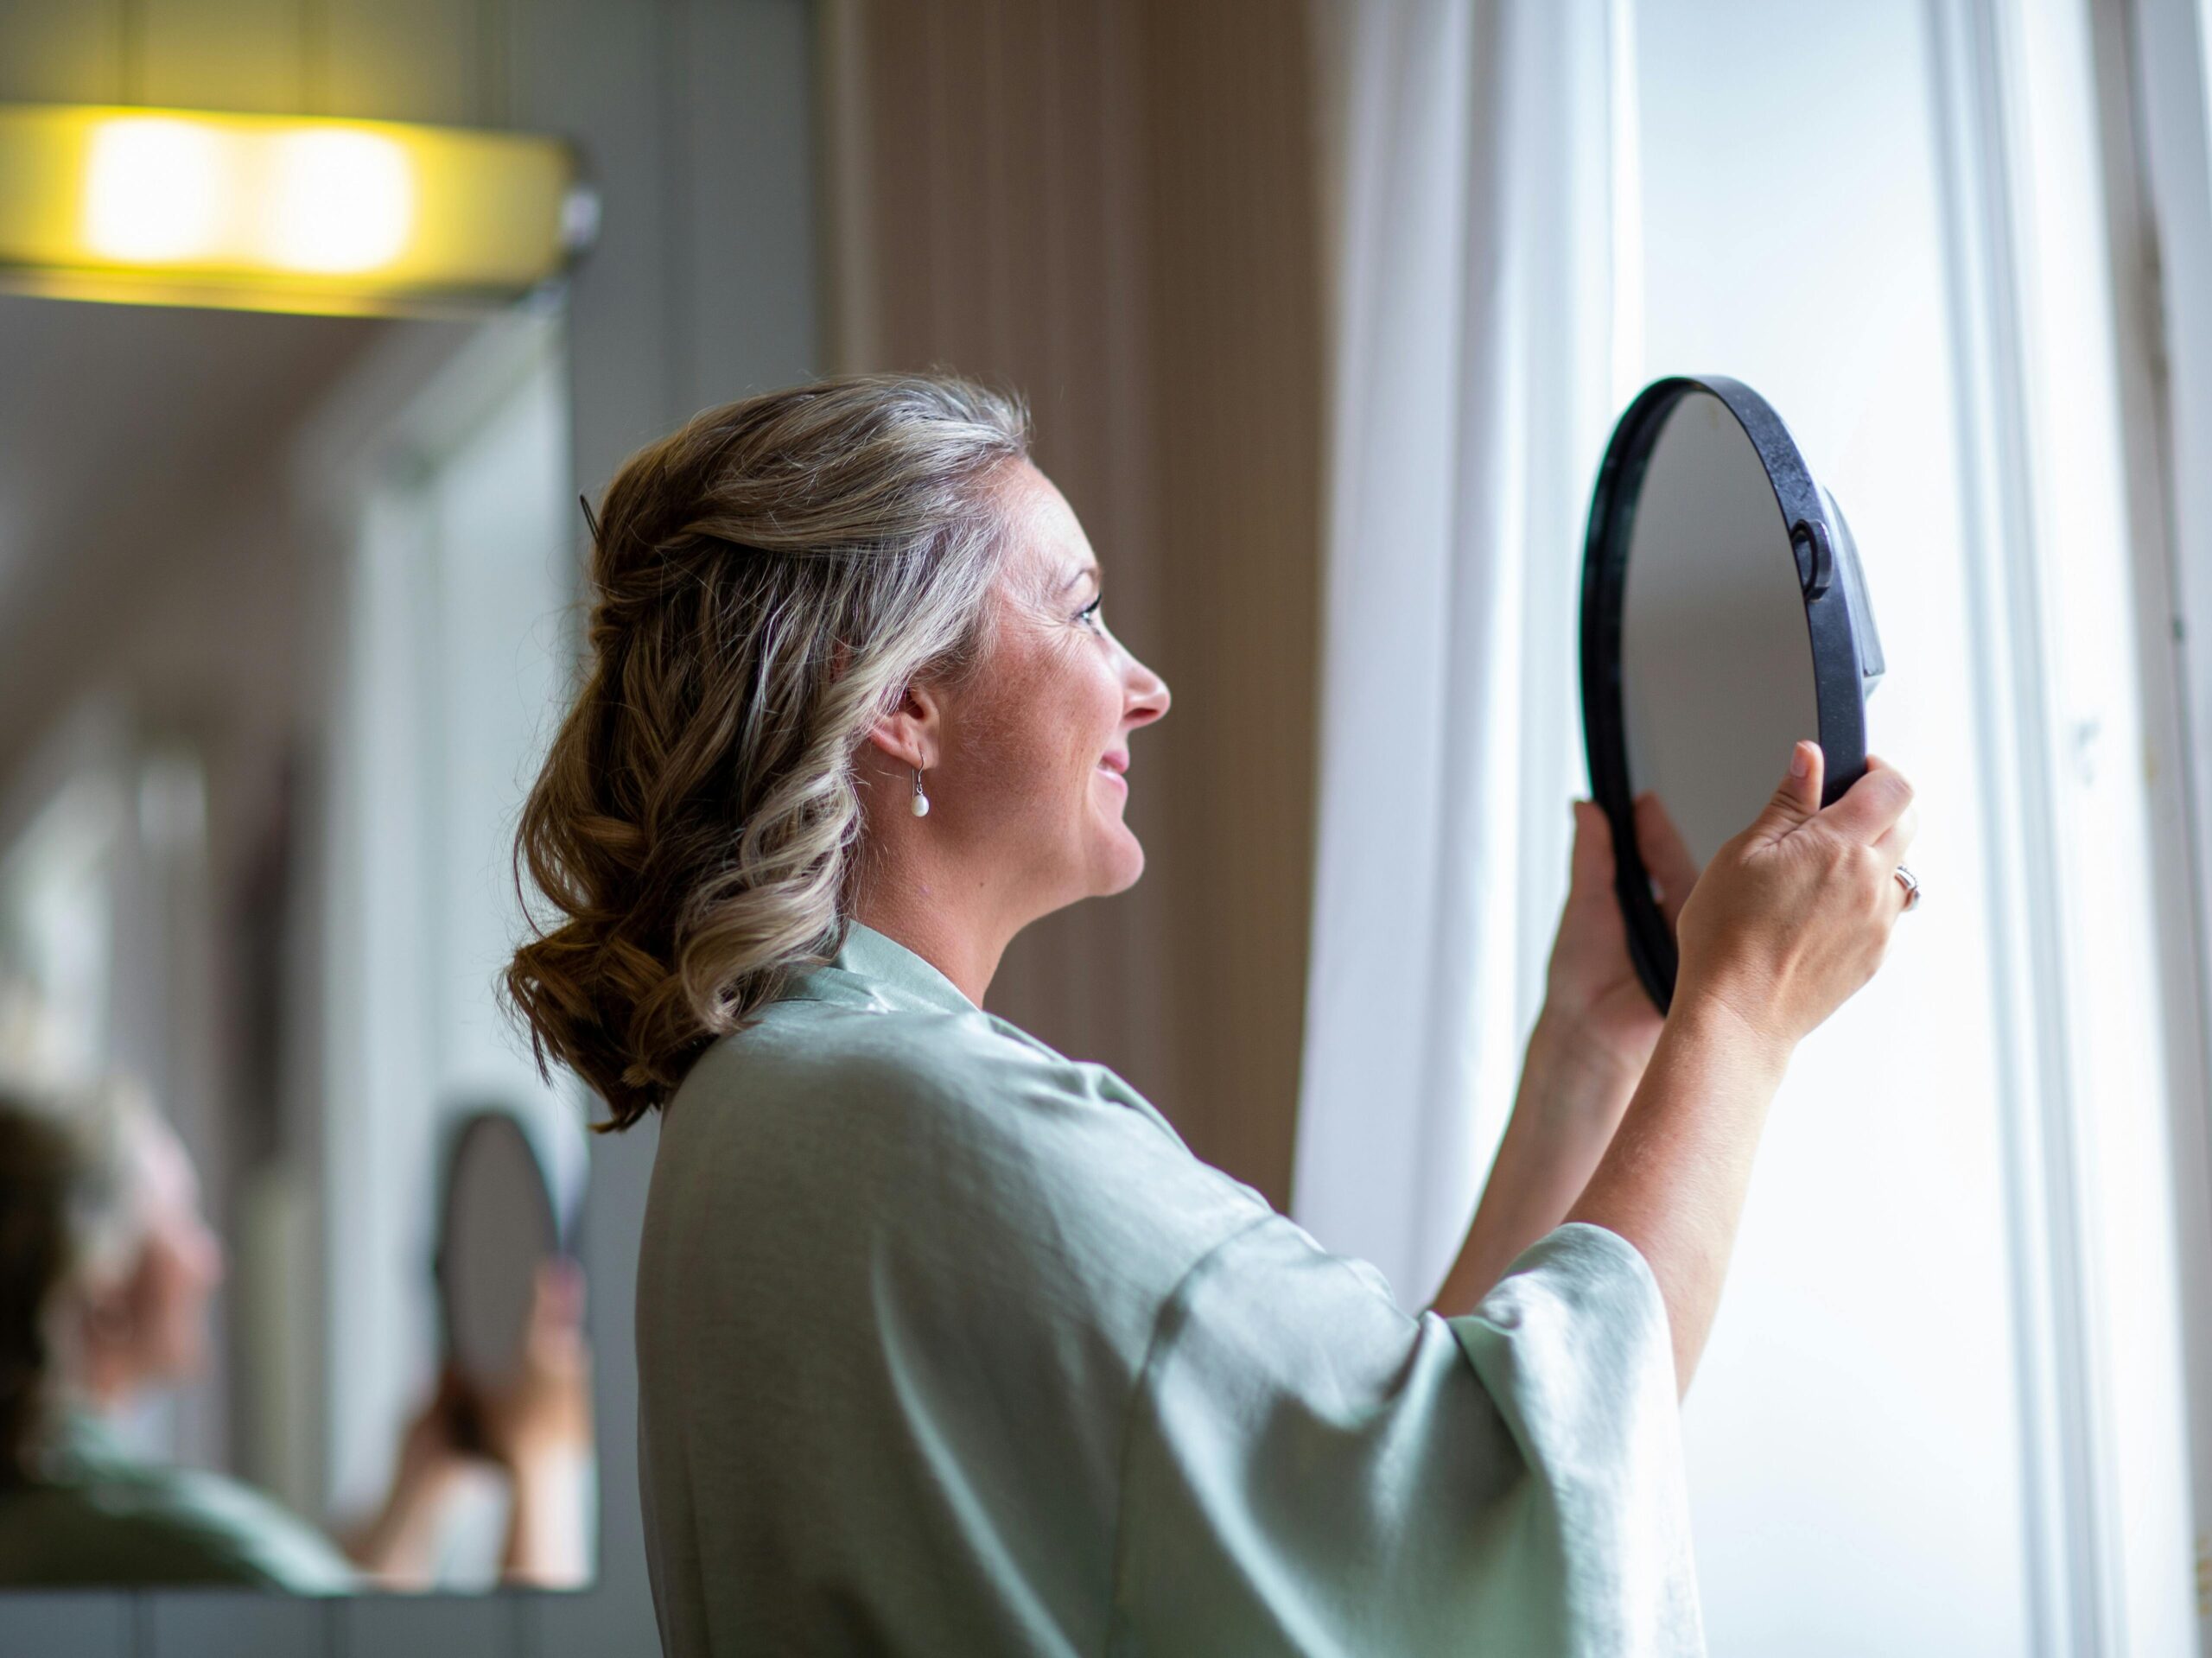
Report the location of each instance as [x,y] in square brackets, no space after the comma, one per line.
[538,1428]
[1673,1180]
[1588,1051]
[395,1546]
[1788,921]
[1574,1086]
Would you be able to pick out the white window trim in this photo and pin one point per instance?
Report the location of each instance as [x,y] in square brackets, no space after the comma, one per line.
[2157,92]
[2103,1564]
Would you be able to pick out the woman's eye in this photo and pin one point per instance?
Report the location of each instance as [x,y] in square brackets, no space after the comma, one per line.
[1089,615]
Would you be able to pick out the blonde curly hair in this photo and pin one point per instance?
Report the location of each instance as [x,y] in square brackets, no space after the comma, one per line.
[764,584]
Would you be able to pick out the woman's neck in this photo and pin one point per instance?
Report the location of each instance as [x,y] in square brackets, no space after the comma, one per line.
[961,952]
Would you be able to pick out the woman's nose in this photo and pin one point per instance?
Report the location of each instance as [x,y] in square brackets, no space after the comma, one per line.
[1148,697]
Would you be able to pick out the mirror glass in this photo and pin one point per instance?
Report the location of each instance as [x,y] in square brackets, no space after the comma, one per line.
[499,1241]
[1716,671]
[287,614]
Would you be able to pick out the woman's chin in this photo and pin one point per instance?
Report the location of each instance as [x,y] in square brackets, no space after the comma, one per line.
[1121,862]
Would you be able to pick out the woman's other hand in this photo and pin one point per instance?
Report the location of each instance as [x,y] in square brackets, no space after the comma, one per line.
[1592,993]
[538,1426]
[543,1410]
[1794,915]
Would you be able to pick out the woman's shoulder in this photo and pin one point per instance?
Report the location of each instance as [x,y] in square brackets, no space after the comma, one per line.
[969,1070]
[114,1522]
[945,1114]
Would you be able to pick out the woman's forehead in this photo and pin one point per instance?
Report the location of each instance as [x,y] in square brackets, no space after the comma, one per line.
[1049,543]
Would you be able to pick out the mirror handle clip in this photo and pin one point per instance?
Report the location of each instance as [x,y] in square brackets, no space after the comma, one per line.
[1808,538]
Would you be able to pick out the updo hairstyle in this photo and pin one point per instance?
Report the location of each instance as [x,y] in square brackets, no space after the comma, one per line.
[764,584]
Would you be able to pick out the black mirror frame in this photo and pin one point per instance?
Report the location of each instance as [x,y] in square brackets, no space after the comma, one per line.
[1847,655]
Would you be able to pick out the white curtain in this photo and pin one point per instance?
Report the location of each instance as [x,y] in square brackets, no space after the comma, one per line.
[1481,163]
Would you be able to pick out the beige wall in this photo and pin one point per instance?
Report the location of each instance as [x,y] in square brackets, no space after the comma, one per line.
[1109,204]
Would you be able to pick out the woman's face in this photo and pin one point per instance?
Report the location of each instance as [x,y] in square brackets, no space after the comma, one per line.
[150,1327]
[182,1266]
[1034,765]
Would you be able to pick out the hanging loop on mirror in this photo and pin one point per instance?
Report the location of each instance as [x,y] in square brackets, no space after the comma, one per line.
[1809,538]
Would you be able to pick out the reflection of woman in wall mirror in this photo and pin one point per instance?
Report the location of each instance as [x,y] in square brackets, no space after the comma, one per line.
[106,1265]
[947,1343]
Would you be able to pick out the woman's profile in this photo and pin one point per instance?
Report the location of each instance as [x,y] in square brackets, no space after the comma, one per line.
[946,1342]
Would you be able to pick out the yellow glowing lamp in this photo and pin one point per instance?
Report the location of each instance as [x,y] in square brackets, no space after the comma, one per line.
[273,212]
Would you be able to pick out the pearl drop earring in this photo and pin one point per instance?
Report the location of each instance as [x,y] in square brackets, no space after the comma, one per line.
[921,800]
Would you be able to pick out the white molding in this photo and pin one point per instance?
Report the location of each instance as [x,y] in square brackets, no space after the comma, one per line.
[2166,282]
[2064,1525]
[2104,1060]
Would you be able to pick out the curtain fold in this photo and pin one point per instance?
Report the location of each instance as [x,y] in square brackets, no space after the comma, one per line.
[1478,207]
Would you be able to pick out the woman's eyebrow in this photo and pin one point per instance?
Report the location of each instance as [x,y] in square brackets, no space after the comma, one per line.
[1081,571]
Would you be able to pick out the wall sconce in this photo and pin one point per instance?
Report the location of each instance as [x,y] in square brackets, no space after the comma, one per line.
[277,213]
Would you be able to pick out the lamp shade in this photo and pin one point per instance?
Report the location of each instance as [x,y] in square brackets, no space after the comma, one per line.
[273,213]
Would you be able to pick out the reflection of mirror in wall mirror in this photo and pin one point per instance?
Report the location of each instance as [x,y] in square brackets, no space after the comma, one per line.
[1725,617]
[283,609]
[498,1237]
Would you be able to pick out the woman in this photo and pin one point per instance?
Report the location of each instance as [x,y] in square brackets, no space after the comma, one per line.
[946,1343]
[106,1271]
[106,1268]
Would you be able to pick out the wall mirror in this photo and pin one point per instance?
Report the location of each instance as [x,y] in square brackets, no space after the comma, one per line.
[1724,617]
[287,606]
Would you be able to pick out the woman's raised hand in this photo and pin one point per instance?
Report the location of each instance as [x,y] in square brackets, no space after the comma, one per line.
[1794,915]
[1786,921]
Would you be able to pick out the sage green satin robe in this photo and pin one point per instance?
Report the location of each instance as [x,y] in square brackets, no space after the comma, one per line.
[948,1344]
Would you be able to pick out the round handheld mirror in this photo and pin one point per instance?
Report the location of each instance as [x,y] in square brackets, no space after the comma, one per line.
[1724,618]
[497,1231]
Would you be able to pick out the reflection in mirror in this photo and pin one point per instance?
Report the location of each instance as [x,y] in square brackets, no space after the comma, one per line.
[498,1240]
[284,605]
[1716,661]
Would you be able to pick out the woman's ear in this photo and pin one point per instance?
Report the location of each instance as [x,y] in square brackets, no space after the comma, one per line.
[911,733]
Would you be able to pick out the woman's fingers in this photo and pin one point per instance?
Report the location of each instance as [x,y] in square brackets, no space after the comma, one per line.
[1797,797]
[1873,806]
[1892,841]
[1899,837]
[1592,869]
[1666,859]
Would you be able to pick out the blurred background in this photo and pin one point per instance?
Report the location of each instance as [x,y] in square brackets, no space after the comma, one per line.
[1324,311]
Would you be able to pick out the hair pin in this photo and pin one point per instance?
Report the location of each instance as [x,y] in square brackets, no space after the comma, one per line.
[590,523]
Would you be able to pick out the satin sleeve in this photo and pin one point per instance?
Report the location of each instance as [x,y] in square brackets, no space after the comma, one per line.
[1309,1470]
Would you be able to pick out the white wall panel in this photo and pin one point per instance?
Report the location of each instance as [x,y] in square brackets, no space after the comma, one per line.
[407,60]
[60,54]
[81,1625]
[407,1626]
[206,1624]
[219,54]
[743,233]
